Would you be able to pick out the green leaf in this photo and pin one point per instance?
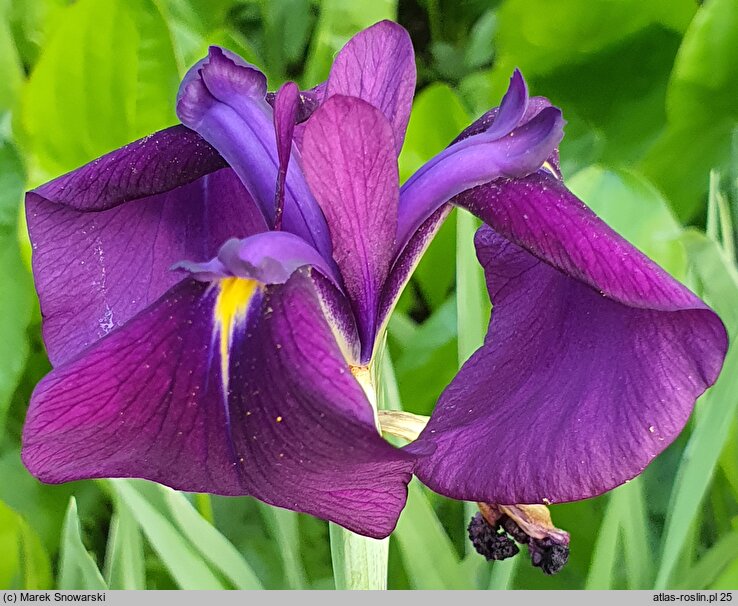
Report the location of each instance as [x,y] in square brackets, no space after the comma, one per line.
[286,25]
[636,531]
[430,559]
[729,578]
[543,35]
[339,21]
[197,24]
[480,48]
[426,134]
[181,558]
[428,361]
[472,300]
[472,316]
[11,70]
[16,303]
[434,274]
[618,95]
[25,563]
[212,545]
[605,556]
[623,536]
[712,40]
[30,21]
[711,564]
[284,528]
[503,573]
[77,568]
[701,108]
[201,16]
[124,560]
[106,77]
[716,409]
[606,64]
[43,505]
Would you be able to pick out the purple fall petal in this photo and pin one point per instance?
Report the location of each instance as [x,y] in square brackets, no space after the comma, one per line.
[224,100]
[258,401]
[378,66]
[349,162]
[105,235]
[592,364]
[155,164]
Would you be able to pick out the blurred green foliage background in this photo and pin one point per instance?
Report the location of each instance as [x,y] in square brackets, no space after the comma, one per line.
[650,92]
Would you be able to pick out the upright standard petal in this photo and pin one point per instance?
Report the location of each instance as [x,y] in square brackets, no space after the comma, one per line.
[378,66]
[351,167]
[105,235]
[224,99]
[592,364]
[307,102]
[234,388]
[286,107]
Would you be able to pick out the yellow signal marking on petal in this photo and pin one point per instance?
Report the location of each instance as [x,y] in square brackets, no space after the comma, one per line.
[234,296]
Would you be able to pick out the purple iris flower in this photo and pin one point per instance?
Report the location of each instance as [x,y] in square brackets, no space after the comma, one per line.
[214,294]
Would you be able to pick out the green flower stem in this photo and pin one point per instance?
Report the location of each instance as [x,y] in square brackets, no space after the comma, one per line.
[360,562]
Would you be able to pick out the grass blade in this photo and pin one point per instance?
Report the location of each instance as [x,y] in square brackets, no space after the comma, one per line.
[25,563]
[602,568]
[472,302]
[176,552]
[124,560]
[503,573]
[718,407]
[639,568]
[214,547]
[283,525]
[430,559]
[709,567]
[77,568]
[624,531]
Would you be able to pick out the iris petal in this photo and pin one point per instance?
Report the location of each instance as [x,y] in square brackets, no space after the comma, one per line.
[592,364]
[514,109]
[349,162]
[233,389]
[270,257]
[474,161]
[105,235]
[224,99]
[286,106]
[378,66]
